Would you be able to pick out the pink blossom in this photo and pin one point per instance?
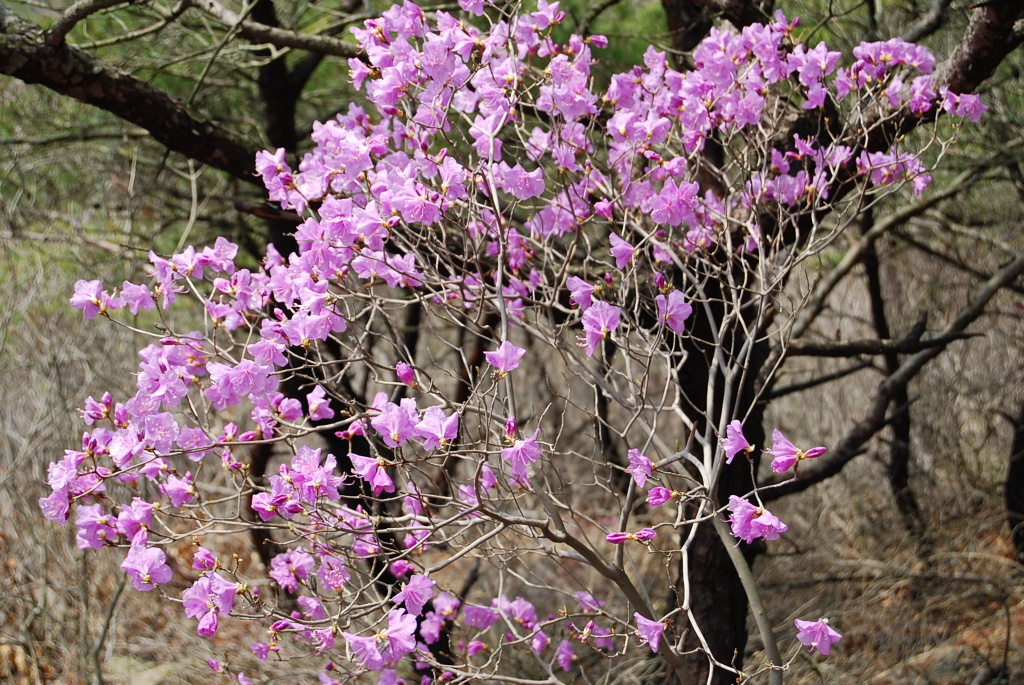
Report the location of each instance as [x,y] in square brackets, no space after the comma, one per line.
[565,655]
[505,358]
[437,428]
[521,454]
[518,182]
[644,535]
[658,496]
[291,567]
[319,405]
[621,251]
[204,560]
[750,522]
[734,442]
[146,567]
[673,311]
[374,472]
[90,297]
[598,322]
[587,601]
[787,455]
[639,467]
[209,598]
[417,592]
[649,631]
[405,374]
[580,292]
[817,635]
[395,424]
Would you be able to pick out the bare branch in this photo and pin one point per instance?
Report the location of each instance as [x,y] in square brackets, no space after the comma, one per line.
[852,348]
[25,54]
[59,30]
[818,380]
[951,261]
[282,38]
[992,35]
[931,22]
[874,420]
[592,14]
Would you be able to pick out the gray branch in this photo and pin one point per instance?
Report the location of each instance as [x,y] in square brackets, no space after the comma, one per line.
[779,485]
[278,37]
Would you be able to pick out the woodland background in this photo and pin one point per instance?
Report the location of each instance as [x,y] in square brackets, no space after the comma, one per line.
[910,543]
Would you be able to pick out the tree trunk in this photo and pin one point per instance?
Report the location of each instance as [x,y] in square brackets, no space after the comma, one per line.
[1015,486]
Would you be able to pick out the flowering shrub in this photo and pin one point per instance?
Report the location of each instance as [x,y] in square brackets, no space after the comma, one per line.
[501,274]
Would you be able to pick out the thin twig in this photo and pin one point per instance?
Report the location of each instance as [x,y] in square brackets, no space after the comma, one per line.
[59,30]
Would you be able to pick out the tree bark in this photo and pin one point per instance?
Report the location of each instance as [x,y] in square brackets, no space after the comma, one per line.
[65,69]
[1014,486]
[899,451]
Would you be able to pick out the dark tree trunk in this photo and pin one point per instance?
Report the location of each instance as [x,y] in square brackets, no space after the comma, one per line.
[900,454]
[1015,485]
[717,598]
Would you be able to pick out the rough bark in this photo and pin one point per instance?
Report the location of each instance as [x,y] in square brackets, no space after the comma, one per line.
[1014,486]
[690,20]
[65,69]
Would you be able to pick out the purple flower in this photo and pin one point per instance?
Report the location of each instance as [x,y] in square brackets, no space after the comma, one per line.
[480,618]
[963,105]
[92,300]
[539,641]
[374,472]
[517,181]
[643,535]
[210,597]
[673,311]
[437,428]
[137,297]
[649,631]
[394,424]
[95,527]
[291,567]
[135,518]
[735,442]
[312,608]
[639,467]
[817,635]
[400,635]
[564,655]
[658,496]
[475,7]
[204,560]
[587,601]
[319,405]
[787,455]
[621,250]
[417,592]
[598,322]
[332,572]
[364,651]
[146,566]
[505,358]
[580,292]
[750,522]
[521,454]
[405,374]
[179,490]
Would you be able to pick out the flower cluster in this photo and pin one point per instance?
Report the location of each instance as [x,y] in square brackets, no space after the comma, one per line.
[566,213]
